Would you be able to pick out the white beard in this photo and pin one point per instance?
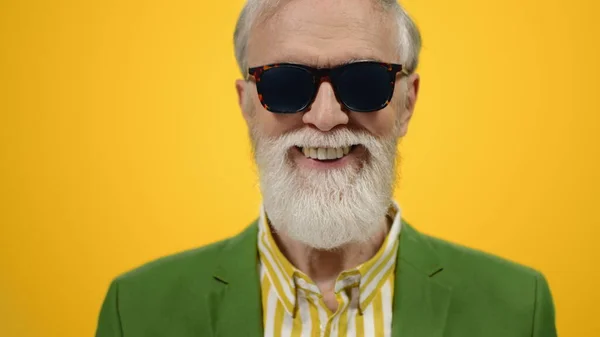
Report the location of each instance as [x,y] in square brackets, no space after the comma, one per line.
[326,209]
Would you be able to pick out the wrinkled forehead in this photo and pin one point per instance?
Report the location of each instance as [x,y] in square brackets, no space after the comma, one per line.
[324,33]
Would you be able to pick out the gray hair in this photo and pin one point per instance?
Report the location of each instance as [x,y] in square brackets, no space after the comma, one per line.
[409,45]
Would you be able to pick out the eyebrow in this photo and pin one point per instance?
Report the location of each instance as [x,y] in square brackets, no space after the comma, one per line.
[327,64]
[357,59]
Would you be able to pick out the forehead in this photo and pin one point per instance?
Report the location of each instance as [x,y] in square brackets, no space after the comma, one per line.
[324,33]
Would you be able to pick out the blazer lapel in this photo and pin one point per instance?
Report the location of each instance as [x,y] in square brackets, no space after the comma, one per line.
[421,301]
[238,306]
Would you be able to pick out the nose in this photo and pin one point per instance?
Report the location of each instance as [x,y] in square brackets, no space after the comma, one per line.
[325,113]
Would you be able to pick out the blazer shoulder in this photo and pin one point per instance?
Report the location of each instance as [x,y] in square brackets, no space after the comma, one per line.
[482,272]
[474,262]
[453,253]
[486,285]
[194,264]
[172,288]
[194,268]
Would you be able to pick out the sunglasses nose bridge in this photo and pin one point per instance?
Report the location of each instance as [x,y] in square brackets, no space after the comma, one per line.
[325,112]
[325,75]
[321,75]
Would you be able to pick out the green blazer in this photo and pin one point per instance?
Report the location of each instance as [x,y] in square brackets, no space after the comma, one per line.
[441,289]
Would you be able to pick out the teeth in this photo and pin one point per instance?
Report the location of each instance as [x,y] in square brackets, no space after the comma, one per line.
[323,153]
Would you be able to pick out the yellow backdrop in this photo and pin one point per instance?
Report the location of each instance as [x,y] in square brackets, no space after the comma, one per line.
[121,141]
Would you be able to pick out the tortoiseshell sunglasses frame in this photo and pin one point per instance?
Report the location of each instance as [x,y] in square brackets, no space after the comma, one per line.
[321,75]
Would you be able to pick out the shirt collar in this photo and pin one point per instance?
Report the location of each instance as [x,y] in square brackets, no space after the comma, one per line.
[369,276]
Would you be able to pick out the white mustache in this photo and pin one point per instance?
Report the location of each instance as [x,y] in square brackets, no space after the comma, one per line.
[315,138]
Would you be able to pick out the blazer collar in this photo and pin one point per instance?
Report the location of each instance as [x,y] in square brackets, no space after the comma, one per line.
[421,298]
[238,305]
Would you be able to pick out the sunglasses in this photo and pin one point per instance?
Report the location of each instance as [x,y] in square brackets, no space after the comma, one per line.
[364,86]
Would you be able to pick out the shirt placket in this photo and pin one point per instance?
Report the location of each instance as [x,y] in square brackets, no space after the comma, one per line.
[346,295]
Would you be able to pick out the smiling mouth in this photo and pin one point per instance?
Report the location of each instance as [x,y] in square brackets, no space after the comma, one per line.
[326,153]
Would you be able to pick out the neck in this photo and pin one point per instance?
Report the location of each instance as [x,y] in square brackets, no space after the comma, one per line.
[324,266]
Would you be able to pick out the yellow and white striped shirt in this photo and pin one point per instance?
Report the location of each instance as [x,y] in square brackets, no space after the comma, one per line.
[293,305]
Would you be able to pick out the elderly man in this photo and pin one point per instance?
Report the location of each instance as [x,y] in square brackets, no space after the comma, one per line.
[329,88]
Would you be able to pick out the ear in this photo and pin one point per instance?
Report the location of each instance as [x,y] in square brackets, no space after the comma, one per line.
[409,102]
[241,87]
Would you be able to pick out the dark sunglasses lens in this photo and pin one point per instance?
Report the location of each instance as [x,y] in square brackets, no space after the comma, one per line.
[365,87]
[286,89]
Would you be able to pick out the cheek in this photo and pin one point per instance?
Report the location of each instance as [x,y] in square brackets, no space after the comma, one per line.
[274,125]
[379,123]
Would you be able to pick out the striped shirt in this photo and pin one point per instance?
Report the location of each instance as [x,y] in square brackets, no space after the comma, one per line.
[293,305]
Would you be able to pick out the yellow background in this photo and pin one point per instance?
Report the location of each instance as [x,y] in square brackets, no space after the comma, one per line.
[121,141]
